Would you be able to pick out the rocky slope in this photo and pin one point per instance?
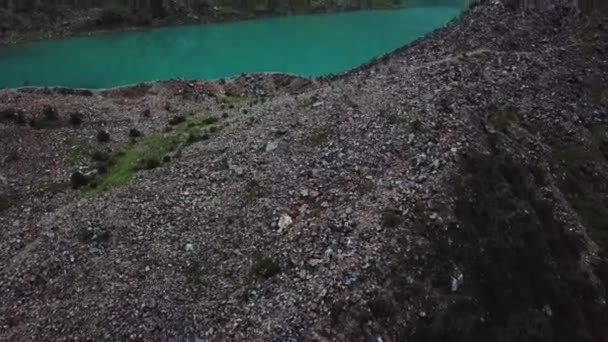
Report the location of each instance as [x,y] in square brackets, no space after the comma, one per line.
[453,190]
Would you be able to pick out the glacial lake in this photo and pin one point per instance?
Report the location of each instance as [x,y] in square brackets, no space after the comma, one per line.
[306,45]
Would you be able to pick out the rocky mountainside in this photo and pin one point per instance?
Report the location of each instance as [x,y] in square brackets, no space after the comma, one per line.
[35,19]
[453,190]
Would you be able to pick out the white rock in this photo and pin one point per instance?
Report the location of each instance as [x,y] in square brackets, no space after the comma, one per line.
[285,221]
[272,145]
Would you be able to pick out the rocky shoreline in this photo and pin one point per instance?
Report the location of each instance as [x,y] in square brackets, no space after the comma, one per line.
[452,190]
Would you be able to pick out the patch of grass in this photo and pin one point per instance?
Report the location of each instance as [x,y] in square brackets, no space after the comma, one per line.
[195,274]
[391,218]
[253,191]
[264,267]
[150,163]
[502,118]
[416,125]
[6,201]
[144,154]
[319,137]
[209,120]
[148,152]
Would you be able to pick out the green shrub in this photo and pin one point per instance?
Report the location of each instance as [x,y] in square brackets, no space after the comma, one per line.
[134,133]
[264,267]
[76,119]
[391,218]
[103,136]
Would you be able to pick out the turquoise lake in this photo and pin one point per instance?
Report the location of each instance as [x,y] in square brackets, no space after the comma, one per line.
[307,45]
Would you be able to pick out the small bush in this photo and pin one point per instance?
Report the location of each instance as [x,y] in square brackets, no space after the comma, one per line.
[150,163]
[253,190]
[78,180]
[391,218]
[75,119]
[176,120]
[210,120]
[50,114]
[319,137]
[134,133]
[195,273]
[111,17]
[264,267]
[416,125]
[213,129]
[103,136]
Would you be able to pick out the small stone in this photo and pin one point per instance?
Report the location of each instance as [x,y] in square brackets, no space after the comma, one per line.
[422,314]
[324,204]
[304,193]
[348,211]
[189,247]
[410,138]
[271,146]
[239,171]
[433,216]
[314,194]
[547,310]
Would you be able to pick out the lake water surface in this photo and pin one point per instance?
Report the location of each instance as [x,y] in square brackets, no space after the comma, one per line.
[307,45]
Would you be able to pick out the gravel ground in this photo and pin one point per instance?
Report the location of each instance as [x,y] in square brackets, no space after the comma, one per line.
[317,199]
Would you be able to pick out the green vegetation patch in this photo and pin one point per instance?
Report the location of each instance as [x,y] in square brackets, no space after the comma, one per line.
[264,267]
[319,137]
[502,118]
[391,218]
[147,152]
